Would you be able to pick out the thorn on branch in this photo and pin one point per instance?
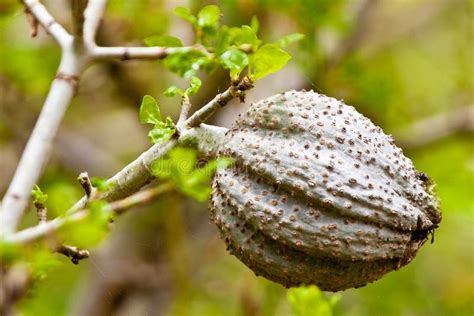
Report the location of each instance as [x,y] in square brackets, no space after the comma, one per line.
[86,183]
[74,253]
[32,22]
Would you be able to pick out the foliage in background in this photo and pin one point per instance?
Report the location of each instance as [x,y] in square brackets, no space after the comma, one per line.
[310,301]
[409,76]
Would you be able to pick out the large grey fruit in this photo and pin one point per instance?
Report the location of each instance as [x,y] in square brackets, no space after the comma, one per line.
[319,195]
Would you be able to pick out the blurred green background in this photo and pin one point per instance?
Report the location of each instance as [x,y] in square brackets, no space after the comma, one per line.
[406,64]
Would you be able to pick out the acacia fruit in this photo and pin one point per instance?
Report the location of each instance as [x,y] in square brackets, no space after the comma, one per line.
[319,195]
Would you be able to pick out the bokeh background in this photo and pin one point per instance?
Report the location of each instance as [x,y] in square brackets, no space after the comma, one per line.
[406,64]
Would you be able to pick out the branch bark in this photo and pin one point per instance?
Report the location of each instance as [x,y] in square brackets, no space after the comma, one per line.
[41,14]
[117,207]
[39,145]
[74,60]
[137,174]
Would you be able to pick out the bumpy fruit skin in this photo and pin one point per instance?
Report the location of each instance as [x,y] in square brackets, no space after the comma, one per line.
[319,194]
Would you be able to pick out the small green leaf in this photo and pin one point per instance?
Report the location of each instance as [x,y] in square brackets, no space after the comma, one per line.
[254,24]
[180,167]
[9,252]
[100,211]
[194,85]
[184,159]
[309,300]
[162,131]
[197,183]
[235,60]
[38,195]
[288,39]
[186,63]
[149,111]
[101,184]
[185,14]
[268,59]
[41,262]
[162,168]
[172,91]
[163,40]
[208,17]
[223,40]
[92,229]
[244,35]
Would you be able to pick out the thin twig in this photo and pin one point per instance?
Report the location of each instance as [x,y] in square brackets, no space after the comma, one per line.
[117,207]
[140,198]
[86,184]
[220,100]
[185,107]
[72,252]
[41,14]
[93,15]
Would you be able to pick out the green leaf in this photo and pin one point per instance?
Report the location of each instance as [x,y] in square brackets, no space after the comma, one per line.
[180,167]
[149,111]
[268,59]
[100,212]
[185,14]
[162,131]
[9,252]
[41,262]
[184,159]
[244,35]
[288,39]
[309,300]
[163,40]
[162,168]
[194,85]
[91,230]
[38,195]
[197,183]
[208,18]
[235,60]
[172,91]
[223,40]
[101,184]
[186,63]
[254,24]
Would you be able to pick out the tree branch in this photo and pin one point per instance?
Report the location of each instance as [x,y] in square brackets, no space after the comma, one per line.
[117,207]
[77,9]
[72,252]
[93,15]
[41,14]
[220,100]
[135,175]
[39,145]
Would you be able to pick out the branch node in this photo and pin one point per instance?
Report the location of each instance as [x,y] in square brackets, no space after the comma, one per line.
[73,80]
[74,253]
[86,183]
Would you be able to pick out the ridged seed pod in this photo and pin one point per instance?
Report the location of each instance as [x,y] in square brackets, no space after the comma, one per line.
[319,195]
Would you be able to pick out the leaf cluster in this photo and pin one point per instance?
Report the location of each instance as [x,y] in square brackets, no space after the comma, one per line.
[181,167]
[234,48]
